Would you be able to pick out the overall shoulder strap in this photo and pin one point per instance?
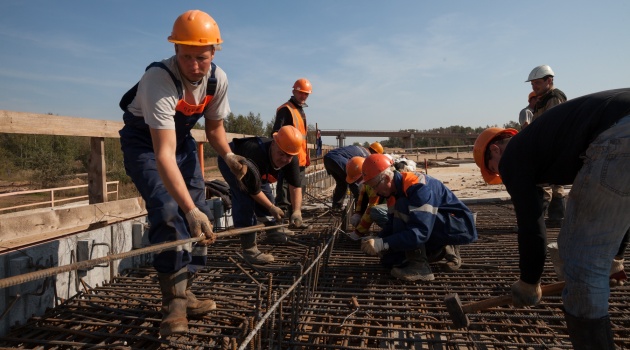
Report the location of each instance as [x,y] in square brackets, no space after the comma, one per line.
[131,93]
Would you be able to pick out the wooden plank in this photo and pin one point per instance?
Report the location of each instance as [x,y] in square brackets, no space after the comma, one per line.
[44,124]
[97,182]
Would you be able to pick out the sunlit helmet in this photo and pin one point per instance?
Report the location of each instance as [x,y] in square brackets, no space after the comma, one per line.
[376,147]
[289,139]
[303,85]
[353,169]
[479,152]
[373,165]
[539,72]
[195,28]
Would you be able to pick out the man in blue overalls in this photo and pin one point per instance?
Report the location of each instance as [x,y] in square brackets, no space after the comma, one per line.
[160,156]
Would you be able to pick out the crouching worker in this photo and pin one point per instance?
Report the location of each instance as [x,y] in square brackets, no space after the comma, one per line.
[252,198]
[427,218]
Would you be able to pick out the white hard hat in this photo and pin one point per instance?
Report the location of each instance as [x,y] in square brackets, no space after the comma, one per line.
[539,72]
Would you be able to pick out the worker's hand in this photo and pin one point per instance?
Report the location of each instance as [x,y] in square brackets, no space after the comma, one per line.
[296,219]
[355,219]
[277,213]
[525,294]
[618,275]
[373,246]
[236,164]
[200,226]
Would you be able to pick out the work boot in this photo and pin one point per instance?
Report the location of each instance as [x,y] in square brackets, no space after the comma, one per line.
[417,269]
[436,255]
[174,300]
[588,334]
[251,252]
[555,211]
[453,260]
[194,306]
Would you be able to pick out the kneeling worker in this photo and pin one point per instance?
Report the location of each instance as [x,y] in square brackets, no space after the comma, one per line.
[252,196]
[427,217]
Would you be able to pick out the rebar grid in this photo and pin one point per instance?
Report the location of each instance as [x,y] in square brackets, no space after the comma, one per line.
[321,293]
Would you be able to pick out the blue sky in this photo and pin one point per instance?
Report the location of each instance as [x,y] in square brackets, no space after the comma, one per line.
[374,65]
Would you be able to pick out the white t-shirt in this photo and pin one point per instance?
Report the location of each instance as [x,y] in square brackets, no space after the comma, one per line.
[157,98]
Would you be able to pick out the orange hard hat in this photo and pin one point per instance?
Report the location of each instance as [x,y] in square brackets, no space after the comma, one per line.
[374,164]
[376,147]
[353,169]
[195,28]
[479,152]
[289,139]
[303,85]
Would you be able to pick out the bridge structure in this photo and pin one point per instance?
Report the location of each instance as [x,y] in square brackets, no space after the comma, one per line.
[407,135]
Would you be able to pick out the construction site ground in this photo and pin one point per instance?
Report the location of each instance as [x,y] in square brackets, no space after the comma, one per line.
[322,292]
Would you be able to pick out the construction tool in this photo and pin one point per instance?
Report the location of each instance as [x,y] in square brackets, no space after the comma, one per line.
[458,312]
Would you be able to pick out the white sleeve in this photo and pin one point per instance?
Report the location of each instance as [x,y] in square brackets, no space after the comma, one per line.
[156,99]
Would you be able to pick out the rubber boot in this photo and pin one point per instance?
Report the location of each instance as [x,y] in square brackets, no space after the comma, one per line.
[418,268]
[194,306]
[590,334]
[555,211]
[453,260]
[251,252]
[174,300]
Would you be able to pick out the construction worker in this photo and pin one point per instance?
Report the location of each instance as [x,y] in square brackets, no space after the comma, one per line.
[376,147]
[369,207]
[427,218]
[527,114]
[160,156]
[252,197]
[548,96]
[584,141]
[335,164]
[292,113]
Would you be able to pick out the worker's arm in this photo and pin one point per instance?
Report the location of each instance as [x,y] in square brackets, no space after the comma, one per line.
[217,137]
[296,203]
[164,145]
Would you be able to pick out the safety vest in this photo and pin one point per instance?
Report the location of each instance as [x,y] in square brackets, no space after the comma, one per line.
[299,123]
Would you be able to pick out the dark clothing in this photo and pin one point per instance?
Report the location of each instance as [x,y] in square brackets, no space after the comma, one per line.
[284,116]
[335,164]
[550,150]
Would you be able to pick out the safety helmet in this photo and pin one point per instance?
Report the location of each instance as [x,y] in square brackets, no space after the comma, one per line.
[353,169]
[303,85]
[539,72]
[195,28]
[373,165]
[479,152]
[376,147]
[531,94]
[289,139]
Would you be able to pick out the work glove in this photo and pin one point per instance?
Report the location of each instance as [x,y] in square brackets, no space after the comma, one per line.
[525,294]
[618,275]
[200,226]
[373,246]
[236,164]
[296,219]
[355,219]
[277,213]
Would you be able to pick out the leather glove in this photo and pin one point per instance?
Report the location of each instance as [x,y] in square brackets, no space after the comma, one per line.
[296,218]
[277,213]
[200,226]
[236,164]
[618,275]
[525,294]
[373,246]
[355,219]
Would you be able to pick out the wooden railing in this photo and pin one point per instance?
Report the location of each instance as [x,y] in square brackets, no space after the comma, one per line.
[54,200]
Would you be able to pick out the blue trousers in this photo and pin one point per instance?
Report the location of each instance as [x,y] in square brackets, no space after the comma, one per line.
[596,220]
[166,220]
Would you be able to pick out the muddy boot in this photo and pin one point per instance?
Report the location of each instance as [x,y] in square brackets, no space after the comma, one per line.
[555,211]
[436,255]
[417,269]
[588,334]
[453,260]
[174,300]
[251,252]
[194,306]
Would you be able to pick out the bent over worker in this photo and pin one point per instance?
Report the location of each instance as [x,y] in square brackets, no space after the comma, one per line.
[586,142]
[427,218]
[160,156]
[251,196]
[335,164]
